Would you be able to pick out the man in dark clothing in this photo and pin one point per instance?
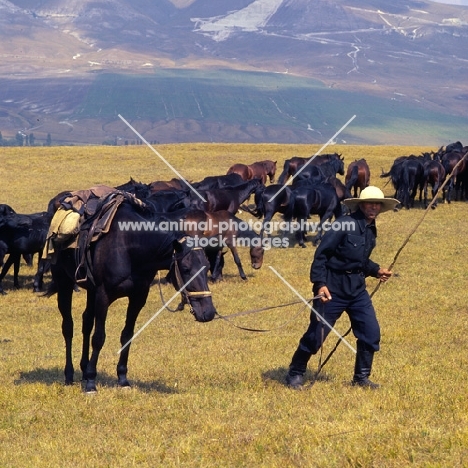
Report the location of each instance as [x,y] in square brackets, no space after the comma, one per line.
[338,271]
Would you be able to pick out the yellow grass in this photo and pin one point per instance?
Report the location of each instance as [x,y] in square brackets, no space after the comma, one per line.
[213,395]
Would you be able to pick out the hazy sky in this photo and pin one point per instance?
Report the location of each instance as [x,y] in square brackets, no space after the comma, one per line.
[453,2]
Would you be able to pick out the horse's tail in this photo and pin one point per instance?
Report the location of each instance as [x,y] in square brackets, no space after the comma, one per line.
[284,175]
[406,187]
[259,202]
[385,174]
[289,211]
[353,178]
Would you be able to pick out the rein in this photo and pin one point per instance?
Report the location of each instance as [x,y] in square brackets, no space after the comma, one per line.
[254,311]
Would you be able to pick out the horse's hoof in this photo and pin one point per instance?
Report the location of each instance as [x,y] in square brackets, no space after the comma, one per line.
[125,385]
[3,293]
[90,387]
[68,383]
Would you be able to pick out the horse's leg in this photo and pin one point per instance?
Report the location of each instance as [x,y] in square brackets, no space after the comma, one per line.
[16,268]
[217,272]
[64,302]
[435,189]
[101,306]
[86,329]
[136,302]
[425,194]
[300,234]
[268,217]
[42,266]
[237,260]
[5,269]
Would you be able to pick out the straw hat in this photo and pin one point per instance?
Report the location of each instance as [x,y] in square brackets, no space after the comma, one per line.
[372,194]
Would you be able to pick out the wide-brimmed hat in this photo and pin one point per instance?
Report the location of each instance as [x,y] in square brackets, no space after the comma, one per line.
[372,194]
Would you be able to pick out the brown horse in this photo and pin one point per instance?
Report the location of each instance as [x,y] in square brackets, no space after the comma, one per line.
[214,231]
[357,176]
[434,175]
[167,185]
[262,170]
[224,199]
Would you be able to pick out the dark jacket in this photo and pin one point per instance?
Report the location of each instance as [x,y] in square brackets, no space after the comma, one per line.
[341,261]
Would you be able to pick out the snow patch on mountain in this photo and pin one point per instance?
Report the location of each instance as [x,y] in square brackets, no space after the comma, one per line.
[249,19]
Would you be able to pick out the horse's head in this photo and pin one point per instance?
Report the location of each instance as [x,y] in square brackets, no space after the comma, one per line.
[190,276]
[339,165]
[256,256]
[271,171]
[6,210]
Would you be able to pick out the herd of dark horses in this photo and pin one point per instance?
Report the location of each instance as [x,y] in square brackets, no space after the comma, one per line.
[124,263]
[410,174]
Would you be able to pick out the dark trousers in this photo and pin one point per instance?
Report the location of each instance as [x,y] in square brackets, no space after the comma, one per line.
[364,324]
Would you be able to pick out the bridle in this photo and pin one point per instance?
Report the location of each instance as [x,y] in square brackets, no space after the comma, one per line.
[179,282]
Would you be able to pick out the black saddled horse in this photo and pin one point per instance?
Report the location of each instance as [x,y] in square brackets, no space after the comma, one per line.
[124,263]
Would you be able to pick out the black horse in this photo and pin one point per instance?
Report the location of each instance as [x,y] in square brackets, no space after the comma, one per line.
[164,201]
[269,201]
[312,199]
[291,166]
[219,182]
[229,199]
[24,234]
[139,189]
[322,172]
[434,175]
[123,264]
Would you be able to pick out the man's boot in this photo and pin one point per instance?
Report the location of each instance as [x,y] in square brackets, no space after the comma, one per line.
[363,367]
[297,368]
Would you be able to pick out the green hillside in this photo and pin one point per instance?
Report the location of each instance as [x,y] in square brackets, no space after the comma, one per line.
[280,101]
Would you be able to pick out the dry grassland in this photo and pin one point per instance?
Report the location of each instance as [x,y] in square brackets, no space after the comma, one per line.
[211,395]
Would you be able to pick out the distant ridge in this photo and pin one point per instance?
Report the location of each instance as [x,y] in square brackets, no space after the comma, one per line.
[405,62]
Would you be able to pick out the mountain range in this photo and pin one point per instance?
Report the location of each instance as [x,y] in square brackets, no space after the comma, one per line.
[286,71]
